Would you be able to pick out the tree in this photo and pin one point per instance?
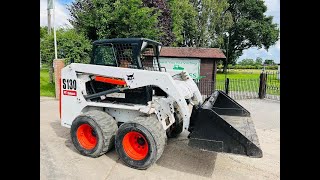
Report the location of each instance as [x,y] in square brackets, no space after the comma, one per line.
[199,23]
[165,20]
[43,31]
[245,62]
[43,34]
[99,19]
[183,21]
[70,45]
[269,62]
[213,20]
[258,61]
[251,28]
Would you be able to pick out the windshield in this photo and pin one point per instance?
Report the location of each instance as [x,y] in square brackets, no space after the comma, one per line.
[120,55]
[149,59]
[104,55]
[127,55]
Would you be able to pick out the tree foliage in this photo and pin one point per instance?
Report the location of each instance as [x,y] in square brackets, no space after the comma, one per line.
[200,23]
[251,27]
[99,19]
[43,32]
[235,25]
[247,62]
[232,25]
[70,45]
[269,62]
[164,20]
[213,21]
[259,60]
[183,22]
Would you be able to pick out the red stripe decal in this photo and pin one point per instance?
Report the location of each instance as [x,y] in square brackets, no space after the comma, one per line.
[69,93]
[110,80]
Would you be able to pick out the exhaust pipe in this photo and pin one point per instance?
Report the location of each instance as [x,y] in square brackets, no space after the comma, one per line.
[220,124]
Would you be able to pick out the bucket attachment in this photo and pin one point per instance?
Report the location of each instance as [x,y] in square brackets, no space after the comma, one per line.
[220,124]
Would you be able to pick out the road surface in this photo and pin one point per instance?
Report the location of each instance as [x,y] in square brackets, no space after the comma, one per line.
[60,160]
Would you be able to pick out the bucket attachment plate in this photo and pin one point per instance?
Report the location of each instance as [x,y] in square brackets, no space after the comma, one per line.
[223,125]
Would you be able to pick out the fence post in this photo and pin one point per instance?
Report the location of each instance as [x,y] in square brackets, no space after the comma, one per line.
[227,86]
[212,87]
[263,85]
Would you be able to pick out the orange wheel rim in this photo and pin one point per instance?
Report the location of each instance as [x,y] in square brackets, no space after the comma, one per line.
[135,145]
[86,136]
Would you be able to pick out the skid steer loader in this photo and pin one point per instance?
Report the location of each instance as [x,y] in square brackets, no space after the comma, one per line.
[125,99]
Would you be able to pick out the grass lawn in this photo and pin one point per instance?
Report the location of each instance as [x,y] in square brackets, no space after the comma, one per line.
[238,75]
[46,88]
[247,80]
[241,74]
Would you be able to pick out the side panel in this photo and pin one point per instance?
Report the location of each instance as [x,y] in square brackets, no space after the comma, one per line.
[138,78]
[72,101]
[123,115]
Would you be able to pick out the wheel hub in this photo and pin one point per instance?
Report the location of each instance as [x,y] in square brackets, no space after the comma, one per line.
[135,145]
[141,141]
[86,136]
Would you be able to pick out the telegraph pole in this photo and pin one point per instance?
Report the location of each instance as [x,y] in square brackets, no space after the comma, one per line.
[51,12]
[54,33]
[49,9]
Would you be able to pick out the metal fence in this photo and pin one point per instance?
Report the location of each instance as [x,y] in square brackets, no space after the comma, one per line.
[266,86]
[273,85]
[240,88]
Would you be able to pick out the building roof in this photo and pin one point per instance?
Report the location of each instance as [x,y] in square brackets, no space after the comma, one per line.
[212,53]
[126,40]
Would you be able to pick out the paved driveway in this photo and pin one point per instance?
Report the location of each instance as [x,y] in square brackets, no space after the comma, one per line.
[60,160]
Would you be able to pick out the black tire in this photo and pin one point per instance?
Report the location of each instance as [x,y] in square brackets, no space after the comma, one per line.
[154,134]
[174,130]
[104,128]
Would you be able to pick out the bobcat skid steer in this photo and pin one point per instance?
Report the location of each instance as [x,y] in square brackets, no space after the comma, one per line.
[125,99]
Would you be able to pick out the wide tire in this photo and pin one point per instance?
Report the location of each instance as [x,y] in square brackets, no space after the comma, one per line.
[93,133]
[141,142]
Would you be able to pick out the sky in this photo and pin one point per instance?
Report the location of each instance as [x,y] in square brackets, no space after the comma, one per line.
[62,15]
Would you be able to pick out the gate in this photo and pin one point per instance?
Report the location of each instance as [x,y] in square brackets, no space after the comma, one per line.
[266,86]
